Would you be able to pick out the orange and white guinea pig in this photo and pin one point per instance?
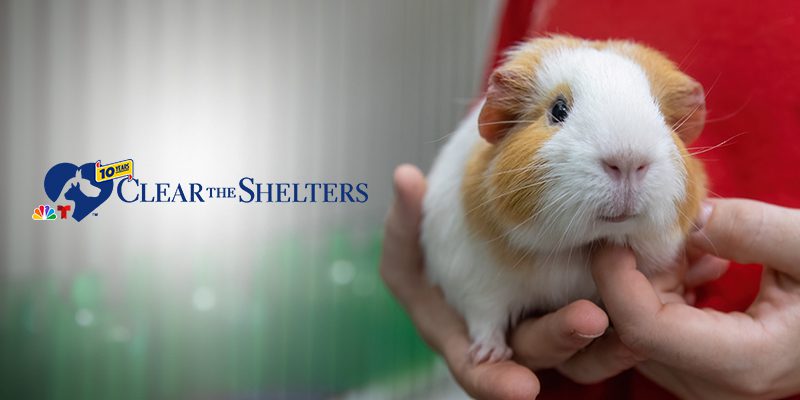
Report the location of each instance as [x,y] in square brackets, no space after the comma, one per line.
[576,142]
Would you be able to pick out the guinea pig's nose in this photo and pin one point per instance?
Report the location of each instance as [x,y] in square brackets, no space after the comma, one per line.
[625,169]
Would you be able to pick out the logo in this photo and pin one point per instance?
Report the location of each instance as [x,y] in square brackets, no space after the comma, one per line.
[89,186]
[43,213]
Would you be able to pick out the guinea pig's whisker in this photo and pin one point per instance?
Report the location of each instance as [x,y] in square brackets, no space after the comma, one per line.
[557,213]
[510,171]
[581,212]
[684,215]
[561,239]
[525,254]
[559,200]
[700,231]
[713,193]
[516,121]
[683,120]
[531,167]
[481,205]
[708,239]
[706,149]
[441,138]
[686,56]
[731,114]
[713,85]
[510,192]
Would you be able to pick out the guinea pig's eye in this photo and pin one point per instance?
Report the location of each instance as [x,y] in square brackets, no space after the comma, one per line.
[559,111]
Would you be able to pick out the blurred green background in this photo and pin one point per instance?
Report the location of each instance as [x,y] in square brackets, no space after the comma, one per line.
[315,321]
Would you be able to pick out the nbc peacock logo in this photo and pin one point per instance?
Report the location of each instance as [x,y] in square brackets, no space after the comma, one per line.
[43,213]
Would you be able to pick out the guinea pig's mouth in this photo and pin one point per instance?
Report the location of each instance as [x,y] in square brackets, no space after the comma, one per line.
[617,218]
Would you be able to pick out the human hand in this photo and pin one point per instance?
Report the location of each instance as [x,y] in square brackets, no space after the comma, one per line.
[549,341]
[702,353]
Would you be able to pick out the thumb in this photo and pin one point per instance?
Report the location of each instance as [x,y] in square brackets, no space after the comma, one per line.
[409,188]
[629,297]
[748,232]
[401,261]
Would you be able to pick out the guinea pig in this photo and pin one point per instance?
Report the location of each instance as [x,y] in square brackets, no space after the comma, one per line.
[576,142]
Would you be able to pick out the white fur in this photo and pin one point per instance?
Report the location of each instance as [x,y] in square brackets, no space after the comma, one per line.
[613,112]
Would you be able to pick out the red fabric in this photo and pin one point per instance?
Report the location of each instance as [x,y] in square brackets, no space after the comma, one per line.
[514,26]
[747,56]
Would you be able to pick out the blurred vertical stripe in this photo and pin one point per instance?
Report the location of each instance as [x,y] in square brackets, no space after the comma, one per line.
[218,299]
[5,126]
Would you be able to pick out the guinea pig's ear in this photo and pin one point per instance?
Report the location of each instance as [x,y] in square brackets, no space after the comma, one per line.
[684,107]
[501,109]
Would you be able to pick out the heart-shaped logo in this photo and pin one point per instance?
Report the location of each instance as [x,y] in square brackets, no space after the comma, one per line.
[84,190]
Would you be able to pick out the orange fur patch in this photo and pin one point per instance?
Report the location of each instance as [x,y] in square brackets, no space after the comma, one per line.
[501,188]
[503,184]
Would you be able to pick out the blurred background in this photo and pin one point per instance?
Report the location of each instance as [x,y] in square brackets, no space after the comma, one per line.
[221,299]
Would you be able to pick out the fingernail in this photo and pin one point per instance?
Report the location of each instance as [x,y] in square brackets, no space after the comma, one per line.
[702,218]
[588,336]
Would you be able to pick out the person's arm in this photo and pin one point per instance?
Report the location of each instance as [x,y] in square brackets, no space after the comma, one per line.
[702,353]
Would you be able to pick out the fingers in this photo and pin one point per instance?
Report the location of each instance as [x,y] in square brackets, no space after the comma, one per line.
[402,264]
[401,261]
[550,340]
[674,333]
[628,295]
[705,269]
[503,380]
[558,338]
[748,232]
[604,358]
[409,185]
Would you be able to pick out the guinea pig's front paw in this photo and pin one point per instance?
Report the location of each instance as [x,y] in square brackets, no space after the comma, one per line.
[490,348]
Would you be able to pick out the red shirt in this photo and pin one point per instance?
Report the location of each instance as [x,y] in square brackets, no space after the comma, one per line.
[747,56]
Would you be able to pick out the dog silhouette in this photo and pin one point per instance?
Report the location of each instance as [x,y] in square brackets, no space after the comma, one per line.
[82,188]
[84,204]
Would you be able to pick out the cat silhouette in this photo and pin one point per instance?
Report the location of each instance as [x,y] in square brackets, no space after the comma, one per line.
[86,193]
